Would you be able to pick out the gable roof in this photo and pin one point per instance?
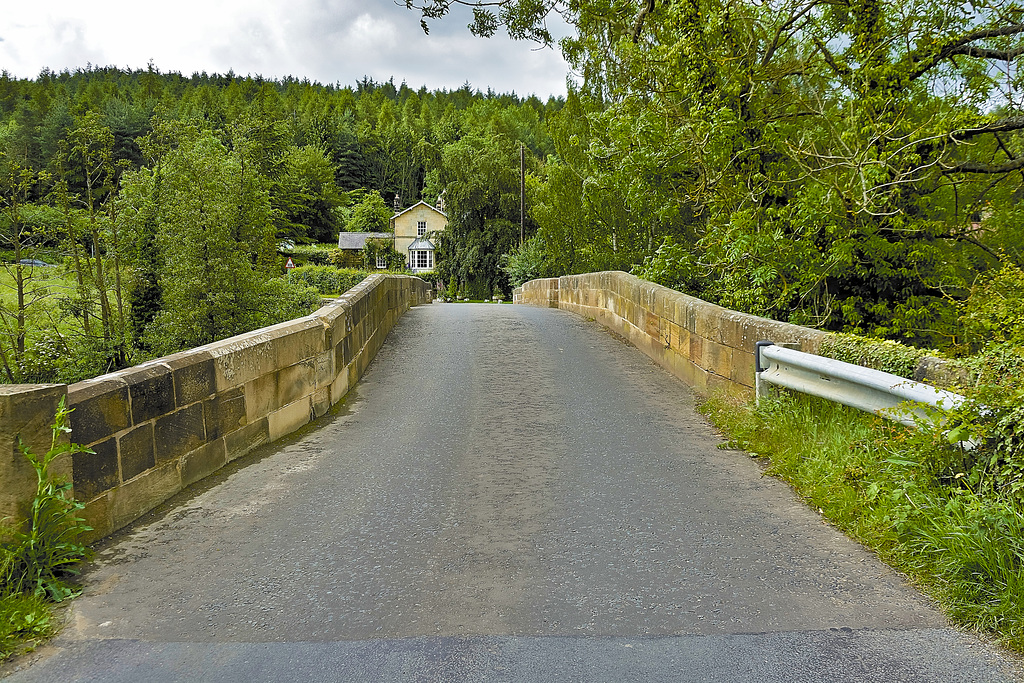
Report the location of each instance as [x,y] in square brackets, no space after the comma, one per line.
[432,208]
[357,240]
[421,243]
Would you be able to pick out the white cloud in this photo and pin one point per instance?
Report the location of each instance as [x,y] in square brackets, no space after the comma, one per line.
[323,40]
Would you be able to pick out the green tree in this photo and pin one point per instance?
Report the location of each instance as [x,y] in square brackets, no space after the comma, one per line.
[481,180]
[309,197]
[215,232]
[85,161]
[370,214]
[17,184]
[831,164]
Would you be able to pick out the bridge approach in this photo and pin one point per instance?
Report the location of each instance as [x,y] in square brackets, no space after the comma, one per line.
[511,493]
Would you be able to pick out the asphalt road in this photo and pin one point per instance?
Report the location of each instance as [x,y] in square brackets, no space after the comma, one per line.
[511,493]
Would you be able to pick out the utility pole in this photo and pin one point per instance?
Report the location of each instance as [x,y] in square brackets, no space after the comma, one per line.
[522,192]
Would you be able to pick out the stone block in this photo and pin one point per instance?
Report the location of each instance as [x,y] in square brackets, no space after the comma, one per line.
[261,397]
[719,385]
[940,372]
[692,307]
[137,451]
[101,408]
[62,467]
[245,439]
[661,302]
[337,320]
[151,392]
[731,329]
[202,462]
[224,413]
[696,354]
[95,472]
[684,369]
[652,325]
[180,432]
[699,380]
[743,368]
[294,382]
[678,310]
[26,410]
[298,340]
[195,378]
[243,358]
[678,339]
[96,514]
[357,367]
[718,359]
[810,340]
[346,349]
[359,305]
[357,337]
[375,341]
[132,499]
[708,322]
[322,401]
[757,329]
[325,373]
[340,387]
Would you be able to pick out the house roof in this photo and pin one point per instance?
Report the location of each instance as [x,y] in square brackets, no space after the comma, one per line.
[432,208]
[357,240]
[421,244]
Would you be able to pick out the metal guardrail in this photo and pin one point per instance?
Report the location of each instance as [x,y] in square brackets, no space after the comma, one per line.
[872,391]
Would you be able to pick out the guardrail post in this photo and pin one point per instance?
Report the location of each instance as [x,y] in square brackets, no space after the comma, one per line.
[761,388]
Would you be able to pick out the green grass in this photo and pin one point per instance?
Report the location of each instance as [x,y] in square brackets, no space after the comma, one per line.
[41,283]
[24,621]
[45,288]
[909,495]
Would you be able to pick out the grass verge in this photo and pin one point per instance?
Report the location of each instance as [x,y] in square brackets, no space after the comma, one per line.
[38,557]
[906,494]
[25,620]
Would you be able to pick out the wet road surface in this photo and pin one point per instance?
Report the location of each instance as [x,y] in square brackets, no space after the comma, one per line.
[511,493]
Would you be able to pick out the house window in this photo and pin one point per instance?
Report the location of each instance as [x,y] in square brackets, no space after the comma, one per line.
[382,261]
[421,228]
[423,260]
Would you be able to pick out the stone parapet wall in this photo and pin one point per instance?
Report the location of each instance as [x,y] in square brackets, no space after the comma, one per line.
[163,425]
[538,293]
[709,347]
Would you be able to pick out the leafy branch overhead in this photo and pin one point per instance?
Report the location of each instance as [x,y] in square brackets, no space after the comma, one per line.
[849,164]
[523,19]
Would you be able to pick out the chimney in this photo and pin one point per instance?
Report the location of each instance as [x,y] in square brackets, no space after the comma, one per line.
[398,203]
[440,201]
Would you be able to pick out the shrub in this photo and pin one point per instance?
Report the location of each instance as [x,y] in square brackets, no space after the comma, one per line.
[313,254]
[377,249]
[994,311]
[526,262]
[672,266]
[328,280]
[880,354]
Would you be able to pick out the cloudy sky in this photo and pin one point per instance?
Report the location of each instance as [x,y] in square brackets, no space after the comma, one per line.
[324,40]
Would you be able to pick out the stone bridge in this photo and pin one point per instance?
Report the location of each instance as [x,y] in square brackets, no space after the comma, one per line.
[508,493]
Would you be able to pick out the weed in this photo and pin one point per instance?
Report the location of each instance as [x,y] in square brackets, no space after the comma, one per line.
[37,558]
[24,620]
